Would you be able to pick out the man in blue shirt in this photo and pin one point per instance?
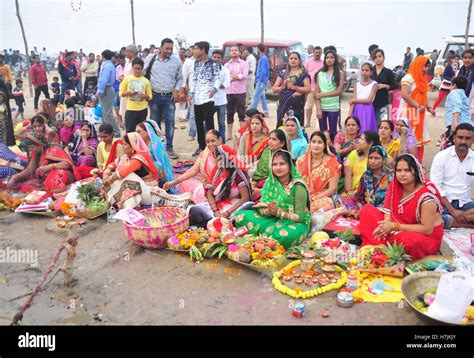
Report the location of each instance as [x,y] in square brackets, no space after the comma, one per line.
[261,79]
[105,91]
[68,71]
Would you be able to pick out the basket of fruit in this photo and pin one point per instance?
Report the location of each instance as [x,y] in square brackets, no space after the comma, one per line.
[383,260]
[161,223]
[192,241]
[91,203]
[419,290]
[261,254]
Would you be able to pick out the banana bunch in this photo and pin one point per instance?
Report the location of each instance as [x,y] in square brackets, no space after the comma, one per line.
[264,263]
[195,254]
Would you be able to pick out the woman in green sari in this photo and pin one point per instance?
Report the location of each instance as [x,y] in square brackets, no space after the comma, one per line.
[276,140]
[283,212]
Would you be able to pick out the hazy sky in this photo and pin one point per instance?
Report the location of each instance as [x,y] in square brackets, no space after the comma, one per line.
[351,25]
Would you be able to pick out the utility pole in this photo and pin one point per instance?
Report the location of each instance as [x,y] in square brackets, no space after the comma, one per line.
[468,23]
[18,15]
[133,21]
[262,27]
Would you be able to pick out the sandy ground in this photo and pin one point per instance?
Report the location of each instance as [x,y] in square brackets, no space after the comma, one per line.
[117,282]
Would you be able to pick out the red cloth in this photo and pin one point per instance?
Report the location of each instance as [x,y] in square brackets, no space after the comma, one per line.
[405,211]
[38,75]
[416,245]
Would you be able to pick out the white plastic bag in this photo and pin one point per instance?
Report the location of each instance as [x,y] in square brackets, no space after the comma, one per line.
[453,297]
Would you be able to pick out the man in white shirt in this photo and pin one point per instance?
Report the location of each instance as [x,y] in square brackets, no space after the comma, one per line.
[248,56]
[220,98]
[452,171]
[44,59]
[188,80]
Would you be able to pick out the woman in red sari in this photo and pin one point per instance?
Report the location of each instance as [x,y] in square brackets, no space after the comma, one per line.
[253,141]
[411,214]
[49,168]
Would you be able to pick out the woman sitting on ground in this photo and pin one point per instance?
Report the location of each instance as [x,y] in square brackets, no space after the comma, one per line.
[283,213]
[204,166]
[127,180]
[253,142]
[38,125]
[356,162]
[321,171]
[390,144]
[299,143]
[227,189]
[276,140]
[109,148]
[345,142]
[374,182]
[411,214]
[83,149]
[49,167]
[150,133]
[407,138]
[10,163]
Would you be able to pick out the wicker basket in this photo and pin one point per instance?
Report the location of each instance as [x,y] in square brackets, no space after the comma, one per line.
[174,221]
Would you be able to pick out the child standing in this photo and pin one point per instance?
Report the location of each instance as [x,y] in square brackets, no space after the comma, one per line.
[396,97]
[457,104]
[66,133]
[56,89]
[19,98]
[137,89]
[361,105]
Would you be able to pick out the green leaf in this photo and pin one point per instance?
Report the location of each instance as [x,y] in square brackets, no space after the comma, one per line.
[218,250]
[222,252]
[210,247]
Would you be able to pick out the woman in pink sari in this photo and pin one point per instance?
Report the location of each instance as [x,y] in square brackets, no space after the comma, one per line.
[204,166]
[83,149]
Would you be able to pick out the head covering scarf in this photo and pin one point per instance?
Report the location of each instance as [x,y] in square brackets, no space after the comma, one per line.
[410,141]
[92,142]
[224,178]
[273,190]
[158,152]
[376,185]
[246,149]
[394,203]
[300,144]
[142,154]
[419,95]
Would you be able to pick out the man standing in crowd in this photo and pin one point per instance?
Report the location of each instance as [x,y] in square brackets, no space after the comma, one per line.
[78,77]
[188,82]
[105,91]
[206,84]
[80,56]
[182,104]
[261,80]
[39,80]
[44,59]
[68,72]
[6,72]
[236,93]
[6,57]
[182,55]
[220,98]
[313,65]
[407,59]
[310,50]
[248,56]
[139,51]
[119,71]
[452,172]
[166,77]
[89,68]
[130,53]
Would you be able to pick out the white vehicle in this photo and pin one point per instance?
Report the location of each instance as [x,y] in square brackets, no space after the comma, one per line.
[352,66]
[455,43]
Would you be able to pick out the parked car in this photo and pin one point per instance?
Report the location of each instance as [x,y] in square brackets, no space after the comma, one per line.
[351,68]
[455,43]
[277,51]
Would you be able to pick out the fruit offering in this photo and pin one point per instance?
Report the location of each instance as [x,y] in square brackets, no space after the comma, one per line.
[258,251]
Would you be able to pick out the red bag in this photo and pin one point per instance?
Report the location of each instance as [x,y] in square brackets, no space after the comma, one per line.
[341,224]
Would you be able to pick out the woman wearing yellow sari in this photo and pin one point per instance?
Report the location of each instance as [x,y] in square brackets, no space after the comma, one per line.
[321,171]
[283,212]
[389,143]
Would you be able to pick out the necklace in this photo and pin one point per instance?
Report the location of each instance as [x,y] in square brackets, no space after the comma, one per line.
[320,162]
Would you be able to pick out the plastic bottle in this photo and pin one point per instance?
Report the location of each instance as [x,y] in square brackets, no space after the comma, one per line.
[352,281]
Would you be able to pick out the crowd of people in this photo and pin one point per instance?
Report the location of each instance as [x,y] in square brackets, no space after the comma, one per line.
[270,181]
